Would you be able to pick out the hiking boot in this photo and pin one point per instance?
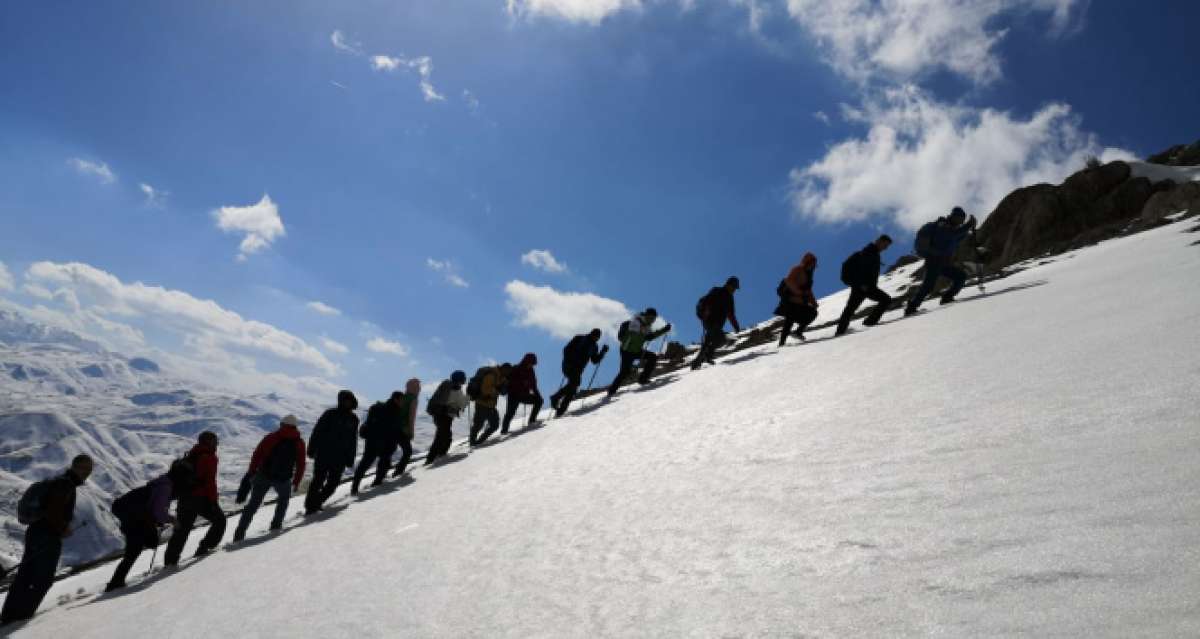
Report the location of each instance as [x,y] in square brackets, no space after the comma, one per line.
[909,312]
[947,300]
[238,536]
[275,527]
[202,552]
[113,587]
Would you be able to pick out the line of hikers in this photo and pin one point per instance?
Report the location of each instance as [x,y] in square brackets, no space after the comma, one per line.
[278,462]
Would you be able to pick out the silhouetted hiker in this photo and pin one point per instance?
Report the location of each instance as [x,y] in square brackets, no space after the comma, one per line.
[141,512]
[713,309]
[797,305]
[332,446]
[446,403]
[576,355]
[861,273]
[277,464]
[47,508]
[199,501]
[522,389]
[633,335]
[408,429]
[937,243]
[385,428]
[489,383]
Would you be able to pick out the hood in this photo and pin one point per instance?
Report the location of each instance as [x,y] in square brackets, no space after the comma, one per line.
[288,431]
[529,360]
[203,449]
[808,261]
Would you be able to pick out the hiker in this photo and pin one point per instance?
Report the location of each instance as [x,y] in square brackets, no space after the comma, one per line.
[937,242]
[142,512]
[713,309]
[861,273]
[489,383]
[277,464]
[633,335]
[522,389]
[576,355]
[446,403]
[200,466]
[388,425]
[332,446]
[797,306]
[47,508]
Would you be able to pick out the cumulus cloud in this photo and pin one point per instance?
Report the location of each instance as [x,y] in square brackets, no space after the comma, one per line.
[543,260]
[589,11]
[339,42]
[920,157]
[334,347]
[98,170]
[562,314]
[260,223]
[6,279]
[155,198]
[387,347]
[448,271]
[210,331]
[322,308]
[902,39]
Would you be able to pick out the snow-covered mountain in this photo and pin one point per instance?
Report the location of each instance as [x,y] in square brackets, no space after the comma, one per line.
[1022,462]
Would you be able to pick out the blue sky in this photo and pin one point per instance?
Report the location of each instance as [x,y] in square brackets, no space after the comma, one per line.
[188,181]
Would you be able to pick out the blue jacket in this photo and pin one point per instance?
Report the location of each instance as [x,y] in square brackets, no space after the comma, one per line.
[939,239]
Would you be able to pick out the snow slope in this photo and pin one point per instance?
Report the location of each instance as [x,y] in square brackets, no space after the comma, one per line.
[1021,462]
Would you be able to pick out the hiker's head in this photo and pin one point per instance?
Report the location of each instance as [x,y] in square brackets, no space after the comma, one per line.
[458,378]
[650,314]
[529,360]
[347,400]
[209,439]
[397,397]
[290,420]
[883,242]
[808,261]
[413,386]
[957,216]
[733,284]
[595,335]
[81,467]
[505,368]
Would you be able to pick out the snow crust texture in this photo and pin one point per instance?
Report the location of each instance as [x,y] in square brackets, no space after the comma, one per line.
[1022,462]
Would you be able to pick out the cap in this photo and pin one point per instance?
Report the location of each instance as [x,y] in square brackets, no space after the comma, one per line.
[290,420]
[458,377]
[958,212]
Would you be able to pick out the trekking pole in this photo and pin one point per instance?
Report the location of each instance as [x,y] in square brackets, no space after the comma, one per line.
[153,557]
[978,260]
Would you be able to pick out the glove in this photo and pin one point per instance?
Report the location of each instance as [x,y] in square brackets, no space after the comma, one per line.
[668,328]
[604,349]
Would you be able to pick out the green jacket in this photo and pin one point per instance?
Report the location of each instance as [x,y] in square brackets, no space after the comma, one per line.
[640,333]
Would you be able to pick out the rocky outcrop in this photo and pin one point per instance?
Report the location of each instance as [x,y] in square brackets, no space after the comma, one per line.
[1179,155]
[1185,197]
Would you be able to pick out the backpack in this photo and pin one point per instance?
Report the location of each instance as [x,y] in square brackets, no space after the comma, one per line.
[436,405]
[29,508]
[782,290]
[183,474]
[623,331]
[369,424]
[475,386]
[702,307]
[921,244]
[127,507]
[281,462]
[848,270]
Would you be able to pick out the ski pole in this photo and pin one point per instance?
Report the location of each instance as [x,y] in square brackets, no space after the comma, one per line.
[153,558]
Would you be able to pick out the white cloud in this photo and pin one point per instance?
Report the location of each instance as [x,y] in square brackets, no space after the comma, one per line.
[6,279]
[99,170]
[322,308]
[823,118]
[447,269]
[590,11]
[339,85]
[903,39]
[388,347]
[543,260]
[260,222]
[423,66]
[920,157]
[212,332]
[155,198]
[339,42]
[334,347]
[562,314]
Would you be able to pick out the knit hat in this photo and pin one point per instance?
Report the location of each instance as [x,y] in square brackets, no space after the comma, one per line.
[290,420]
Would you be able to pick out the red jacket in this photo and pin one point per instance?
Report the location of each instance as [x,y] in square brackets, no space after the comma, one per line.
[206,471]
[522,382]
[264,448]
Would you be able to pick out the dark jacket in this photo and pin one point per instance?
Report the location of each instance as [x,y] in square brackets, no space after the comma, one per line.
[334,439]
[287,435]
[58,504]
[861,270]
[718,307]
[578,352]
[523,380]
[148,505]
[939,241]
[445,401]
[385,423]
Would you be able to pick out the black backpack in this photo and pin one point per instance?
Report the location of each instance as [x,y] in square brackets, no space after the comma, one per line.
[623,331]
[702,307]
[281,462]
[475,386]
[848,269]
[29,507]
[183,474]
[127,507]
[782,290]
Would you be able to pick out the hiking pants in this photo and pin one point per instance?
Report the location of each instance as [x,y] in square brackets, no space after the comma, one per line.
[935,268]
[563,397]
[858,294]
[283,492]
[326,477]
[798,316]
[648,360]
[714,338]
[441,440]
[139,535]
[534,399]
[188,509]
[35,575]
[484,415]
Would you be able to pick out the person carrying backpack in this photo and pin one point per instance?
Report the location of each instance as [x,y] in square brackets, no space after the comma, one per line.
[712,310]
[522,389]
[447,402]
[937,242]
[199,467]
[861,273]
[633,336]
[389,425]
[332,446]
[490,382]
[47,508]
[278,464]
[141,512]
[797,305]
[576,355]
